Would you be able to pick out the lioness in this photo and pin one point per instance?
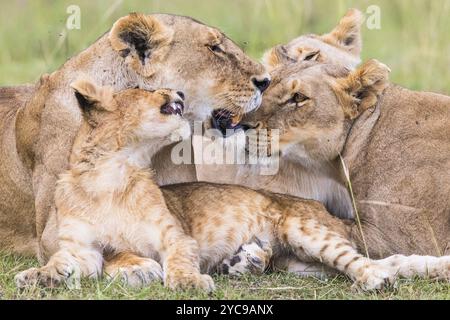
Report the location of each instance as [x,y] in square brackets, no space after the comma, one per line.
[395,143]
[341,46]
[140,51]
[108,200]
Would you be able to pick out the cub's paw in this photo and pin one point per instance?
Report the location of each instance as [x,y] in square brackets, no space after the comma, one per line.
[189,281]
[374,278]
[252,258]
[49,277]
[138,275]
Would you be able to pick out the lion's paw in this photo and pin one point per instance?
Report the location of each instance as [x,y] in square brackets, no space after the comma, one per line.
[48,276]
[374,278]
[139,275]
[190,281]
[252,258]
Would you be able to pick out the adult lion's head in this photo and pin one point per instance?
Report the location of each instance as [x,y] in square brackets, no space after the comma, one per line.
[313,105]
[341,46]
[184,54]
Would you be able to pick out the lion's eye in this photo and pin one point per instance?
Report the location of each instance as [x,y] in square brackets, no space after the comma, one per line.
[216,48]
[312,56]
[299,98]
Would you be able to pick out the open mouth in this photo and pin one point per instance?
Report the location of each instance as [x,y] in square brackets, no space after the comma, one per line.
[227,122]
[173,108]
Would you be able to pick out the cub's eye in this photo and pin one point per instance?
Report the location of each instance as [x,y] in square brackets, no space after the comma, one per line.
[216,48]
[299,98]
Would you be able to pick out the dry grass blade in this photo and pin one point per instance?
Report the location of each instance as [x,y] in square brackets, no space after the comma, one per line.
[350,188]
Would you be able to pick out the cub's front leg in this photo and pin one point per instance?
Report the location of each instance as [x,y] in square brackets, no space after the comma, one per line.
[181,261]
[179,253]
[76,258]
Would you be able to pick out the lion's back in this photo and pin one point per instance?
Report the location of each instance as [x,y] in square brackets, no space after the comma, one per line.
[12,98]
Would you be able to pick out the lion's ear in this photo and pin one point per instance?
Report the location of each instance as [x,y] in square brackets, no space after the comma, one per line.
[92,98]
[361,89]
[137,37]
[347,33]
[275,57]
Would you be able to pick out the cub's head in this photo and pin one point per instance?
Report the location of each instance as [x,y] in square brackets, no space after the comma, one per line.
[342,46]
[133,116]
[180,53]
[313,106]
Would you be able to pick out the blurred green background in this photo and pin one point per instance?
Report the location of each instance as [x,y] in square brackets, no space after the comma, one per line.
[414,39]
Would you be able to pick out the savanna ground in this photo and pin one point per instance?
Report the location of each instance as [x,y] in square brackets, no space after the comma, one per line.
[413,41]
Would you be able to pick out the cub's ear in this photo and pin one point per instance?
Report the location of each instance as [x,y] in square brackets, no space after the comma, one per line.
[347,34]
[137,38]
[361,89]
[276,56]
[91,98]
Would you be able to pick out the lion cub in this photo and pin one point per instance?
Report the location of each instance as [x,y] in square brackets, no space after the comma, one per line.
[108,200]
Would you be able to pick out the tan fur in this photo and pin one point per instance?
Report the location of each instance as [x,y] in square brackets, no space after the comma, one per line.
[394,142]
[108,200]
[348,33]
[149,51]
[341,46]
[311,180]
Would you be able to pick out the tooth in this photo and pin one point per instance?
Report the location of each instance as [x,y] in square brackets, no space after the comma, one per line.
[236,119]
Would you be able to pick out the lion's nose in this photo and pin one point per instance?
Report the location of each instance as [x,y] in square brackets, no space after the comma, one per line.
[261,84]
[181,95]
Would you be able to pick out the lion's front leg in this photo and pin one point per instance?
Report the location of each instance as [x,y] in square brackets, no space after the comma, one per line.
[181,263]
[48,244]
[180,254]
[44,184]
[76,258]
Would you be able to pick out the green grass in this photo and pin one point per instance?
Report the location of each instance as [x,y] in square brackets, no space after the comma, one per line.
[413,41]
[273,286]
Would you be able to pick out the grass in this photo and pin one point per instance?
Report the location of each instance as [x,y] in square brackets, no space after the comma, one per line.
[267,287]
[413,41]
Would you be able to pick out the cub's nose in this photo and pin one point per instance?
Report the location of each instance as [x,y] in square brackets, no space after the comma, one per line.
[181,95]
[261,84]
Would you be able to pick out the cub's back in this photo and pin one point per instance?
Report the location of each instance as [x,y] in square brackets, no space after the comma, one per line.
[234,205]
